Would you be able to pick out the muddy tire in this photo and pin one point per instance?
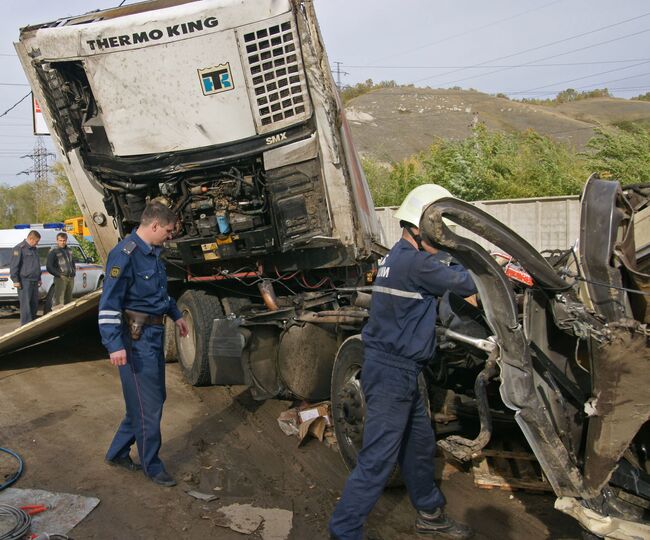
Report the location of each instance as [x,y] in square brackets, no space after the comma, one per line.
[170,351]
[349,405]
[199,309]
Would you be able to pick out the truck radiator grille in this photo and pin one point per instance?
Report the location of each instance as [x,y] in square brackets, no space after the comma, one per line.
[276,80]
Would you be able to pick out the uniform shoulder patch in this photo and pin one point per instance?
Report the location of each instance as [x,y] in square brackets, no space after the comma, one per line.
[16,252]
[129,247]
[115,272]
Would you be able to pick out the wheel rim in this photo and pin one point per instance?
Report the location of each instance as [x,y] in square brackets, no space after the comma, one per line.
[351,408]
[187,345]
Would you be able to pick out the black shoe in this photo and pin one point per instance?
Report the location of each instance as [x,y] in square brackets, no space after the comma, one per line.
[163,478]
[125,463]
[440,525]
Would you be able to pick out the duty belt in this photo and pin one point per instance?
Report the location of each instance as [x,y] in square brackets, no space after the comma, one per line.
[137,320]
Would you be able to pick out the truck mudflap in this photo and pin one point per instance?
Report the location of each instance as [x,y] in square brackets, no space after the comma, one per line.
[51,325]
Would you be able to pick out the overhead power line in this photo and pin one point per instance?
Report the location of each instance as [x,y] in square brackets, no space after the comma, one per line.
[474,30]
[626,36]
[558,64]
[586,76]
[16,104]
[543,46]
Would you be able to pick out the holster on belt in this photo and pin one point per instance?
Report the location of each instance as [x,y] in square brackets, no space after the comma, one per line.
[138,320]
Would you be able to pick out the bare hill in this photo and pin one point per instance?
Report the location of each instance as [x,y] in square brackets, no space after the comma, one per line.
[393,123]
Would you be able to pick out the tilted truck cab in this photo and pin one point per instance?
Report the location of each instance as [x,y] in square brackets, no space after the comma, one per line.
[227,111]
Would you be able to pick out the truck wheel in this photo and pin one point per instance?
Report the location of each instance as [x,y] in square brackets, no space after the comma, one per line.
[199,310]
[47,302]
[170,350]
[349,405]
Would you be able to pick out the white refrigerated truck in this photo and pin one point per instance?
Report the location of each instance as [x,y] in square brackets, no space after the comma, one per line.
[228,111]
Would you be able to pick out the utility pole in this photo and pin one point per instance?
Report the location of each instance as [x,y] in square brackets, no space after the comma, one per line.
[40,170]
[339,72]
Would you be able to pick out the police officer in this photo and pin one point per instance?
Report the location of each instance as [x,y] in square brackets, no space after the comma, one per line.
[131,311]
[25,272]
[60,264]
[399,339]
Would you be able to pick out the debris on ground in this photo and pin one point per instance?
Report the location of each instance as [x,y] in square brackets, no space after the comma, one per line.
[508,465]
[309,419]
[268,523]
[207,497]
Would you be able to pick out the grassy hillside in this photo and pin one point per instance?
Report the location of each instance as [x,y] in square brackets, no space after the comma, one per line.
[390,124]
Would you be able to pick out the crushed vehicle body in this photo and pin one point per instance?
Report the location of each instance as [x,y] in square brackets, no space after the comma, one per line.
[571,351]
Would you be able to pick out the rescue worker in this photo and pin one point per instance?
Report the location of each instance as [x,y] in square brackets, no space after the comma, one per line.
[25,272]
[131,311]
[399,339]
[61,265]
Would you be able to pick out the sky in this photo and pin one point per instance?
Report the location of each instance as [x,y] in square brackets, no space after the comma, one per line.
[529,48]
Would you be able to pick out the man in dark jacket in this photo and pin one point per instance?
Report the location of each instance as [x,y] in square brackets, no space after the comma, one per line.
[25,272]
[61,266]
[399,339]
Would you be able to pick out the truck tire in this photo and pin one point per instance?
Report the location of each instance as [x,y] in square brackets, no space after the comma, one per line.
[170,350]
[349,406]
[199,309]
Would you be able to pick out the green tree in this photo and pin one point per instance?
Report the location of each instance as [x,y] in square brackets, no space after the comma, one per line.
[623,155]
[488,165]
[68,202]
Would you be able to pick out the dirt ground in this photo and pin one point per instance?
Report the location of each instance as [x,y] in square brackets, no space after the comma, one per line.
[61,401]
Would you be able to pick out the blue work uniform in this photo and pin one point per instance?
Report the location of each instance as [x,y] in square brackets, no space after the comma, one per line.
[399,339]
[25,268]
[136,280]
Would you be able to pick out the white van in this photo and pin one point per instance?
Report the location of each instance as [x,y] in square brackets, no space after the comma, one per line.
[89,276]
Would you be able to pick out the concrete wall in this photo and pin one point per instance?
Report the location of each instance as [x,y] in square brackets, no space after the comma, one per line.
[547,223]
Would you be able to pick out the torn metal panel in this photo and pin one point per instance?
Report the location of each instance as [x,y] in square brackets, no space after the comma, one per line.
[604,222]
[621,379]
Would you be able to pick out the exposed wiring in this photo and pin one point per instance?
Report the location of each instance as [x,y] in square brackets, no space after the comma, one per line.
[607,285]
[17,474]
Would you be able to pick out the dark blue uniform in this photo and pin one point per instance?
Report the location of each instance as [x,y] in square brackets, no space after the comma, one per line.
[399,339]
[136,280]
[25,268]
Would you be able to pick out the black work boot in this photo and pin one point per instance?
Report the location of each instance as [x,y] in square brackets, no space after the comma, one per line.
[439,525]
[124,462]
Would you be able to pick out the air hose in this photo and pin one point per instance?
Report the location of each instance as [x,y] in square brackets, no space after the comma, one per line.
[17,474]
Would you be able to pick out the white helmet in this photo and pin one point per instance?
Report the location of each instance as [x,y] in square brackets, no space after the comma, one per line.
[417,200]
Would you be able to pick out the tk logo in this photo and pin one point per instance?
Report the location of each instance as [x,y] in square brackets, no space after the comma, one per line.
[216,79]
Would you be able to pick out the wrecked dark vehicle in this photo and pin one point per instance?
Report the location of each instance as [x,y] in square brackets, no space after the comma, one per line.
[565,345]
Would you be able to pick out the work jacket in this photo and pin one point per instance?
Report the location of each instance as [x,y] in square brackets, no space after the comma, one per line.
[25,264]
[401,330]
[59,262]
[136,280]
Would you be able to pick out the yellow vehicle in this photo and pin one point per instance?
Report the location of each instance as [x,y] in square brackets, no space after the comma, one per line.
[77,227]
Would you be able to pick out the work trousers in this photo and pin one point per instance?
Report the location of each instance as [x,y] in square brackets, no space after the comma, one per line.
[397,430]
[143,386]
[63,286]
[28,299]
